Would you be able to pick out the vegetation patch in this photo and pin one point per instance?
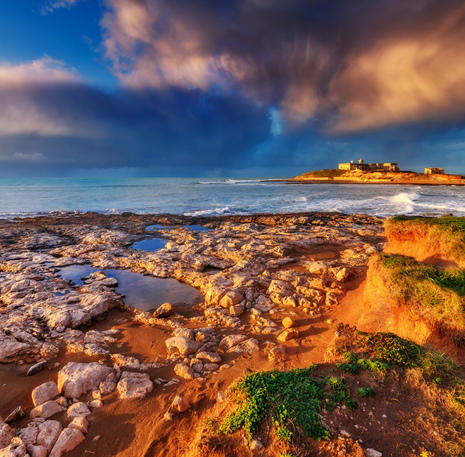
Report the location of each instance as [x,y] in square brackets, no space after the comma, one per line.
[449,231]
[438,297]
[290,400]
[290,411]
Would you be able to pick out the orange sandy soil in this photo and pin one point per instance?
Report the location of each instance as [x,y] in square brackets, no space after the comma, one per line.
[136,428]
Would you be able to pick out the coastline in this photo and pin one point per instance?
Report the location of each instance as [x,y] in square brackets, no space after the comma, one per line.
[273,292]
[344,181]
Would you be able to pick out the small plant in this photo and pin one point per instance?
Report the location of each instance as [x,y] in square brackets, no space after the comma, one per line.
[365,391]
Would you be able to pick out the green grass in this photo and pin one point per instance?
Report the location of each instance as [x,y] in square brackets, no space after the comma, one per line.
[291,399]
[449,231]
[382,352]
[436,296]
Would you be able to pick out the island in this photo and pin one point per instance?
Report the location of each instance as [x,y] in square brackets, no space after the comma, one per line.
[378,173]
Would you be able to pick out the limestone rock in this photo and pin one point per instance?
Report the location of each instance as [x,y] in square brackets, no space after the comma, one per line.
[15,449]
[210,356]
[179,404]
[78,409]
[5,434]
[231,340]
[125,361]
[249,346]
[11,347]
[48,434]
[44,392]
[46,410]
[37,450]
[69,439]
[75,379]
[288,334]
[231,298]
[134,385]
[184,371]
[29,434]
[165,310]
[288,322]
[79,423]
[182,345]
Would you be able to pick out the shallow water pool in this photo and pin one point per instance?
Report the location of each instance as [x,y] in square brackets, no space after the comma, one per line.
[151,245]
[197,228]
[142,292]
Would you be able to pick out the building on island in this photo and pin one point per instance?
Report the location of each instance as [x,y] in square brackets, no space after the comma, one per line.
[434,171]
[361,165]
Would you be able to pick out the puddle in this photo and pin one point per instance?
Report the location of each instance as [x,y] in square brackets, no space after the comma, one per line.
[141,292]
[158,227]
[151,245]
[196,228]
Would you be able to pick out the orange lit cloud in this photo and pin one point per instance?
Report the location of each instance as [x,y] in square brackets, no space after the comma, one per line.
[366,65]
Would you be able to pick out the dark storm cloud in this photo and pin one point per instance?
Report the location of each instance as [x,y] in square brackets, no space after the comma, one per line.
[354,65]
[71,125]
[235,85]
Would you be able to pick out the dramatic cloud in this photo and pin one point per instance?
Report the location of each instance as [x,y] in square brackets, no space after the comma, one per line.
[350,65]
[24,89]
[238,86]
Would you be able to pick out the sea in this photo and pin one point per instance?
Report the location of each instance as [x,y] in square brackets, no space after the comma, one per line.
[205,197]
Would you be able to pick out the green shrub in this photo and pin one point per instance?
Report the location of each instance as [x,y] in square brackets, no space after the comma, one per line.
[291,398]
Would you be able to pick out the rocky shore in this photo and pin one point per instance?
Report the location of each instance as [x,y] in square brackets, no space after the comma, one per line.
[82,372]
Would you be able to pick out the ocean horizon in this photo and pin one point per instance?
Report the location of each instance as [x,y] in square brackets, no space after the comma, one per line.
[220,196]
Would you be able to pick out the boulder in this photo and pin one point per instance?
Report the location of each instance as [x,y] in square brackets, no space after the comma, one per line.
[107,386]
[165,310]
[231,340]
[236,310]
[46,410]
[214,295]
[231,298]
[37,451]
[5,434]
[78,409]
[11,347]
[69,439]
[288,322]
[125,361]
[182,345]
[134,385]
[29,434]
[44,392]
[79,423]
[16,448]
[209,356]
[75,379]
[288,334]
[250,346]
[184,371]
[48,434]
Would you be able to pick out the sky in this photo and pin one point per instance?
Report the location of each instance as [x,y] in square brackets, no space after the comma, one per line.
[229,87]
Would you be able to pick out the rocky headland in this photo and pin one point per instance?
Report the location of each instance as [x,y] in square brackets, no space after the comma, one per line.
[289,305]
[377,177]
